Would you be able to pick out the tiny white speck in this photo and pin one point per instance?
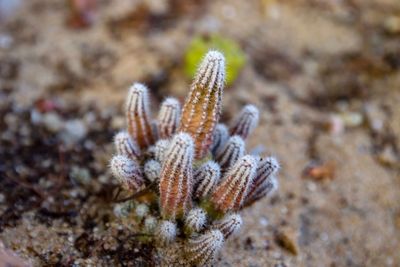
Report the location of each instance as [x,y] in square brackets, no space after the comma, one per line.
[263,221]
[312,187]
[284,210]
[389,261]
[324,237]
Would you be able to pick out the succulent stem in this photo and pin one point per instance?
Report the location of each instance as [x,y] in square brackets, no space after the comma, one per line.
[230,194]
[202,108]
[177,177]
[138,115]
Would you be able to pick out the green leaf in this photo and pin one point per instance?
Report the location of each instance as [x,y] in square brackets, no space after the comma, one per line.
[234,56]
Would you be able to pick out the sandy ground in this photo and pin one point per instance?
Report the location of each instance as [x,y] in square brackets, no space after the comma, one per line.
[325,74]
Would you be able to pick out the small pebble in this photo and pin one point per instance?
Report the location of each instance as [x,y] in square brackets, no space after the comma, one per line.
[286,238]
[276,255]
[118,122]
[80,175]
[388,157]
[389,261]
[324,237]
[392,24]
[10,119]
[311,186]
[150,223]
[352,119]
[141,210]
[53,122]
[284,210]
[36,117]
[263,221]
[6,41]
[375,117]
[74,131]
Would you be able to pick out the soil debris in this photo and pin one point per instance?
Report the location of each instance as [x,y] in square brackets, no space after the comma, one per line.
[287,239]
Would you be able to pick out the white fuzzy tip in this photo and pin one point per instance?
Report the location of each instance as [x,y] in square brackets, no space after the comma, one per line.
[182,140]
[233,150]
[206,178]
[196,219]
[251,109]
[166,232]
[160,150]
[171,101]
[168,117]
[127,172]
[138,88]
[152,170]
[214,56]
[245,122]
[274,163]
[262,188]
[141,210]
[124,145]
[202,250]
[150,223]
[231,192]
[266,168]
[274,186]
[138,116]
[213,65]
[122,210]
[229,225]
[267,188]
[220,136]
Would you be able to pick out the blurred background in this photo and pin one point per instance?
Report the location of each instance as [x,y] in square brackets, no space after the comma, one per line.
[324,73]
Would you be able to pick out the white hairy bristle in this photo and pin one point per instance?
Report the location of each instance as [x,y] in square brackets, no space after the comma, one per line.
[124,145]
[141,210]
[138,115]
[150,223]
[220,136]
[127,172]
[212,65]
[229,225]
[168,118]
[123,209]
[176,182]
[152,170]
[231,192]
[206,178]
[181,140]
[247,120]
[166,232]
[267,167]
[274,186]
[267,188]
[196,219]
[160,149]
[202,250]
[232,151]
[264,182]
[138,88]
[202,107]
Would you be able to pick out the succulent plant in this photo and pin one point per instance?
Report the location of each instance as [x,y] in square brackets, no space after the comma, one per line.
[188,175]
[202,249]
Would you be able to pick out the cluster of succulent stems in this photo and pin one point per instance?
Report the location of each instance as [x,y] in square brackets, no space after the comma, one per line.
[189,174]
